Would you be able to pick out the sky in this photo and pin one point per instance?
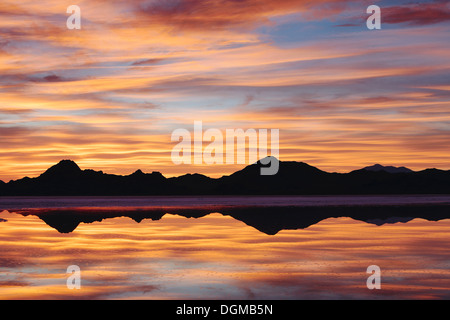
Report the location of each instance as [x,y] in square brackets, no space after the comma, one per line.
[110,94]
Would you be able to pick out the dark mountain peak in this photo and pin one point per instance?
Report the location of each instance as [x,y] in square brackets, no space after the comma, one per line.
[389,169]
[192,177]
[267,160]
[433,171]
[285,169]
[63,168]
[157,173]
[299,165]
[138,173]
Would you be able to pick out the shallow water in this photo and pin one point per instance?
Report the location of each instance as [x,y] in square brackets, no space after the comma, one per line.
[187,201]
[218,256]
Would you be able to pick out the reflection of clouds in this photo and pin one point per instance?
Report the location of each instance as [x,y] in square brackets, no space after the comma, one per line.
[217,256]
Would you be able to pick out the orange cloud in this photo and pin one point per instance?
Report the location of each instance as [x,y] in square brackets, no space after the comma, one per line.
[110,95]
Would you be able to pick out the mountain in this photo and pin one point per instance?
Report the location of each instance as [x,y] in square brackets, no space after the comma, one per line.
[293,178]
[390,169]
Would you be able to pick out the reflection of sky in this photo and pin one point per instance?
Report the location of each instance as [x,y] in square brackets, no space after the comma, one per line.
[110,95]
[219,257]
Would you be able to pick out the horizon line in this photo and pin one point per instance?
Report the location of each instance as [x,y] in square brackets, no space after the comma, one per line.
[224,175]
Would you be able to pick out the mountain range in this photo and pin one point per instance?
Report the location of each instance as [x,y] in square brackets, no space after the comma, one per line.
[293,178]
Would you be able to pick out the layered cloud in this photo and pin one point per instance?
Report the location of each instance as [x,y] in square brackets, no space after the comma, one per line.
[110,95]
[418,14]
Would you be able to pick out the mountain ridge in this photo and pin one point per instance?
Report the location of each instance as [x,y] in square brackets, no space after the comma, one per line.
[293,178]
[390,169]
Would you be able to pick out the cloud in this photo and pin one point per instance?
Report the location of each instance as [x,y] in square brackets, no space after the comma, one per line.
[110,95]
[412,14]
[147,62]
[13,131]
[418,14]
[207,15]
[348,25]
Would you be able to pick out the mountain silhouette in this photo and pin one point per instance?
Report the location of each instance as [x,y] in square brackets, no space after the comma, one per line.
[65,168]
[293,178]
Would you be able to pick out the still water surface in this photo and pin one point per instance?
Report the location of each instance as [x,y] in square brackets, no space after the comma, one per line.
[223,256]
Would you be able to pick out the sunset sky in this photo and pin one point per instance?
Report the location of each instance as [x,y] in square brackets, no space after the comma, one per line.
[110,95]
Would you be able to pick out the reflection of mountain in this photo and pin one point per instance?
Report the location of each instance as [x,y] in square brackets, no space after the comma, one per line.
[390,169]
[293,178]
[269,220]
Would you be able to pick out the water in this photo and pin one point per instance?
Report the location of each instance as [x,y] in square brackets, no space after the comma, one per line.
[187,201]
[225,247]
